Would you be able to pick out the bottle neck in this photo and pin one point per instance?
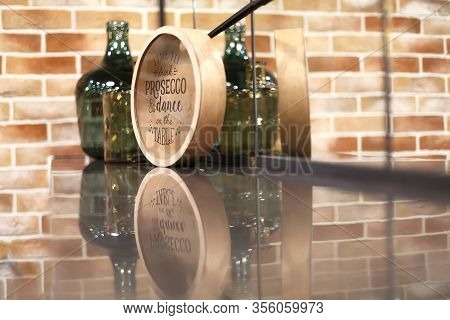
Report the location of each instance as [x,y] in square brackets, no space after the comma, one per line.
[235,44]
[118,54]
[124,275]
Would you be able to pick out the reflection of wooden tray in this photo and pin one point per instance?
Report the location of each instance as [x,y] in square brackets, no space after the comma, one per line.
[182,235]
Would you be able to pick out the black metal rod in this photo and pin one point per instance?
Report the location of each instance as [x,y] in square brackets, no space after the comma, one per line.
[242,13]
[162,13]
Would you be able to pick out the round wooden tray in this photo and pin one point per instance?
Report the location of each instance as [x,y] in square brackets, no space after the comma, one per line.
[182,235]
[179,95]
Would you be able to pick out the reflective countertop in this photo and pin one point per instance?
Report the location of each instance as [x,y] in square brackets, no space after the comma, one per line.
[276,230]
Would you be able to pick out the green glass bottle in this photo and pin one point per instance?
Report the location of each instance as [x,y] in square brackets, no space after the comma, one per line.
[115,72]
[235,57]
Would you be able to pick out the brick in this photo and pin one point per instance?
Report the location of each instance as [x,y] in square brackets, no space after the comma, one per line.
[67,184]
[398,144]
[270,22]
[418,123]
[33,202]
[439,272]
[360,124]
[14,42]
[417,45]
[45,248]
[34,19]
[434,104]
[418,208]
[359,84]
[23,133]
[327,295]
[436,65]
[366,248]
[322,250]
[397,24]
[305,5]
[397,64]
[4,111]
[362,43]
[80,269]
[15,225]
[365,6]
[61,86]
[60,42]
[64,226]
[137,41]
[404,261]
[41,153]
[341,144]
[67,2]
[434,7]
[422,84]
[317,43]
[204,3]
[435,143]
[324,266]
[370,294]
[319,85]
[90,62]
[402,277]
[338,232]
[336,23]
[320,125]
[16,269]
[436,25]
[6,202]
[48,110]
[65,132]
[20,87]
[65,205]
[352,265]
[262,43]
[318,64]
[421,165]
[438,257]
[24,289]
[4,250]
[400,227]
[326,105]
[15,2]
[203,20]
[344,282]
[131,3]
[153,19]
[44,65]
[2,290]
[437,224]
[23,179]
[430,291]
[323,214]
[98,19]
[420,243]
[5,157]
[330,195]
[361,212]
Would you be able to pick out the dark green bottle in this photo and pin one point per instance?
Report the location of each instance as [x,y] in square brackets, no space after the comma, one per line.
[115,73]
[235,57]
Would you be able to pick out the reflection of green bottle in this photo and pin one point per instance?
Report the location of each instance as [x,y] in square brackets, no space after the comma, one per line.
[115,72]
[107,218]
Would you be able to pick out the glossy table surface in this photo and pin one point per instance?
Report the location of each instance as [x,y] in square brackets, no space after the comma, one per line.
[295,230]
